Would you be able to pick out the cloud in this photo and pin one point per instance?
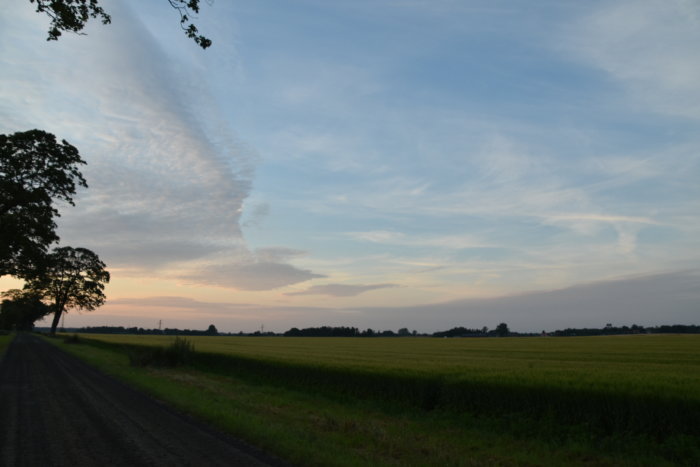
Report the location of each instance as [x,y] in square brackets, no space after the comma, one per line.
[252,276]
[277,254]
[435,241]
[647,300]
[649,46]
[168,177]
[341,290]
[665,298]
[182,303]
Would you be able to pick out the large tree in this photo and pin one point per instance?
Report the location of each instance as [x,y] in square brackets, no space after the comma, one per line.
[72,16]
[20,309]
[70,278]
[35,171]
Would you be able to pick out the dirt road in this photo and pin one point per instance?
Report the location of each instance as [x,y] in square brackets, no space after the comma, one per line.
[55,411]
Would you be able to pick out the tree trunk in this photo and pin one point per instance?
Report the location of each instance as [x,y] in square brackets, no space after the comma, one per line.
[56,318]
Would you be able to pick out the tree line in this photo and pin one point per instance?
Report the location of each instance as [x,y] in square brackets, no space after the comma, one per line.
[501,330]
[210,331]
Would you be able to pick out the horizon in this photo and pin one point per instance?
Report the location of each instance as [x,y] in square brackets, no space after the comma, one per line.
[376,164]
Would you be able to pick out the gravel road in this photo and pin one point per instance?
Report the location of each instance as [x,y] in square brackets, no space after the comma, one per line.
[57,411]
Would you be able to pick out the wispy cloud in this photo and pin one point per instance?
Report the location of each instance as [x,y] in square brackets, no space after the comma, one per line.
[168,177]
[650,47]
[341,290]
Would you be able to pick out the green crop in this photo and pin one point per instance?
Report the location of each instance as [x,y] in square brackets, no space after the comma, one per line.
[624,395]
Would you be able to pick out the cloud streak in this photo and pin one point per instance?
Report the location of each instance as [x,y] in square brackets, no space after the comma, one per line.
[341,290]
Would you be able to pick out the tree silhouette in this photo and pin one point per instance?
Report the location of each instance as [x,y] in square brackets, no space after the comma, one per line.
[502,330]
[20,310]
[70,278]
[35,171]
[73,15]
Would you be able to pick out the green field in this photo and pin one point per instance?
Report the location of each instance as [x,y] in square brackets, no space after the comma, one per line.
[631,400]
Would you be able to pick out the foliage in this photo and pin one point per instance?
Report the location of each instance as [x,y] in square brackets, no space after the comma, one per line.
[69,15]
[73,15]
[21,309]
[210,331]
[184,7]
[502,330]
[72,339]
[35,171]
[70,278]
[323,331]
[460,331]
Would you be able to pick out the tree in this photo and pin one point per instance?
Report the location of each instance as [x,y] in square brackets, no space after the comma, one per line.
[72,16]
[20,310]
[502,330]
[70,278]
[35,171]
[211,331]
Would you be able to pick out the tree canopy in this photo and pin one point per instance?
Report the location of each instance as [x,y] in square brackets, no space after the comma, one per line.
[73,15]
[35,171]
[502,330]
[20,309]
[70,278]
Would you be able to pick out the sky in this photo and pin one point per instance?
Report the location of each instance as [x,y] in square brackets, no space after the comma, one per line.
[378,164]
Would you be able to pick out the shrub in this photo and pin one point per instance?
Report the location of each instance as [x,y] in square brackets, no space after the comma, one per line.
[176,354]
[74,339]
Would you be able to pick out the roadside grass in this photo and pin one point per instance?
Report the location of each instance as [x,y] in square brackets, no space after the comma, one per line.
[5,339]
[369,415]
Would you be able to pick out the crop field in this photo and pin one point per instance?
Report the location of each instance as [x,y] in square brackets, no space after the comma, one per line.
[631,400]
[657,365]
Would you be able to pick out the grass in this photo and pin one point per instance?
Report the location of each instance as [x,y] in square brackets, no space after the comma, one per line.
[602,400]
[5,338]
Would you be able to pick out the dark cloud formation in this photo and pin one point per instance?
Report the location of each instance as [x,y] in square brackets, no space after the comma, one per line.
[666,298]
[251,276]
[341,290]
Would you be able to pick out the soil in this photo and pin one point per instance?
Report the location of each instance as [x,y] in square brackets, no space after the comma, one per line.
[57,411]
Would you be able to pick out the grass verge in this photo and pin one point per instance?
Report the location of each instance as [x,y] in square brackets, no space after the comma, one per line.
[5,339]
[296,415]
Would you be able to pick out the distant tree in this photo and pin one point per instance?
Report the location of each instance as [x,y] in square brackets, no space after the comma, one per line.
[459,331]
[35,171]
[70,278]
[20,310]
[211,331]
[502,330]
[73,15]
[403,332]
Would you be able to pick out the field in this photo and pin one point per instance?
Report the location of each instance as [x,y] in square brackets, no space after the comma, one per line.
[421,401]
